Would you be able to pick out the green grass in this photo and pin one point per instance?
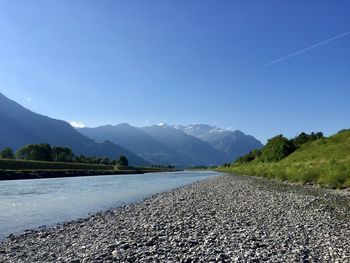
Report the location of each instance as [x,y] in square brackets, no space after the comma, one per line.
[38,165]
[325,162]
[41,165]
[19,169]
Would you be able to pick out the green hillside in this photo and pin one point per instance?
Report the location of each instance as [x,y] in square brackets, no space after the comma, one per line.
[325,162]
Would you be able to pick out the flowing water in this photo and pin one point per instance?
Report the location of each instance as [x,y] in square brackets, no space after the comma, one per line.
[28,204]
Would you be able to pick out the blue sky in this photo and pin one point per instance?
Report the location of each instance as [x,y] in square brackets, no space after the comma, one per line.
[181,62]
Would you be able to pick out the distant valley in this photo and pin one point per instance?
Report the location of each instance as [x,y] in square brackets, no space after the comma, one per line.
[180,145]
[196,144]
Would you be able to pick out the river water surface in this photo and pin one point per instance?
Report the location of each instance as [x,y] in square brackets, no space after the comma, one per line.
[28,204]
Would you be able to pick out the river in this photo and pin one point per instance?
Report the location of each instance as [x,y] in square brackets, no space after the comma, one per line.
[29,204]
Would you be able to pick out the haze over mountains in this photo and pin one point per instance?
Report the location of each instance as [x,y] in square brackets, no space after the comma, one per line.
[190,145]
[195,150]
[196,144]
[137,141]
[233,143]
[20,127]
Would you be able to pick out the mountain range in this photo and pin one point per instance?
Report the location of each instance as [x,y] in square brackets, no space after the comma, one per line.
[182,145]
[196,144]
[20,127]
[137,141]
[233,143]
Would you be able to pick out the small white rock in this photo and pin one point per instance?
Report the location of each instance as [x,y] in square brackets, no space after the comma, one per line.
[115,253]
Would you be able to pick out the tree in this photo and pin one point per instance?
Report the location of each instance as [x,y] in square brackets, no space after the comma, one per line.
[7,153]
[105,161]
[79,159]
[36,152]
[303,138]
[300,139]
[123,161]
[277,148]
[62,154]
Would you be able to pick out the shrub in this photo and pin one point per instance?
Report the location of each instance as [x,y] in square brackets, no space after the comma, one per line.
[276,149]
[303,138]
[123,161]
[343,130]
[7,153]
[252,155]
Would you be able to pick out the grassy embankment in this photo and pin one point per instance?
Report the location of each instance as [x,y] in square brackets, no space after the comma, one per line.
[324,162]
[19,169]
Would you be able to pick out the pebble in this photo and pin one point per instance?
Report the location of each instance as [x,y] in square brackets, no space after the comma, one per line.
[225,219]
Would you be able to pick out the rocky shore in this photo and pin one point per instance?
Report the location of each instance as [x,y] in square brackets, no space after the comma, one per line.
[225,219]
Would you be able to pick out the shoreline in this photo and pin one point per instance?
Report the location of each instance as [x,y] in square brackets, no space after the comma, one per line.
[16,234]
[6,175]
[228,218]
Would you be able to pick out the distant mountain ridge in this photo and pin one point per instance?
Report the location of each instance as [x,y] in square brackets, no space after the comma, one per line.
[196,150]
[233,143]
[196,144]
[182,145]
[201,131]
[20,127]
[136,140]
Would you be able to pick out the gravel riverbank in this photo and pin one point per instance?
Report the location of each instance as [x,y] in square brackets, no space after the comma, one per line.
[225,219]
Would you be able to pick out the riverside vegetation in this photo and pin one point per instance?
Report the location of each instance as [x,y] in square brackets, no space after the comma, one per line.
[306,158]
[43,161]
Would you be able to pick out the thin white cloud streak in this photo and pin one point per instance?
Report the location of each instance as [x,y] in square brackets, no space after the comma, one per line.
[96,9]
[302,51]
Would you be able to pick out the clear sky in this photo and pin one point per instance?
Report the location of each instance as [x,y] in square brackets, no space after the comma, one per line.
[264,67]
